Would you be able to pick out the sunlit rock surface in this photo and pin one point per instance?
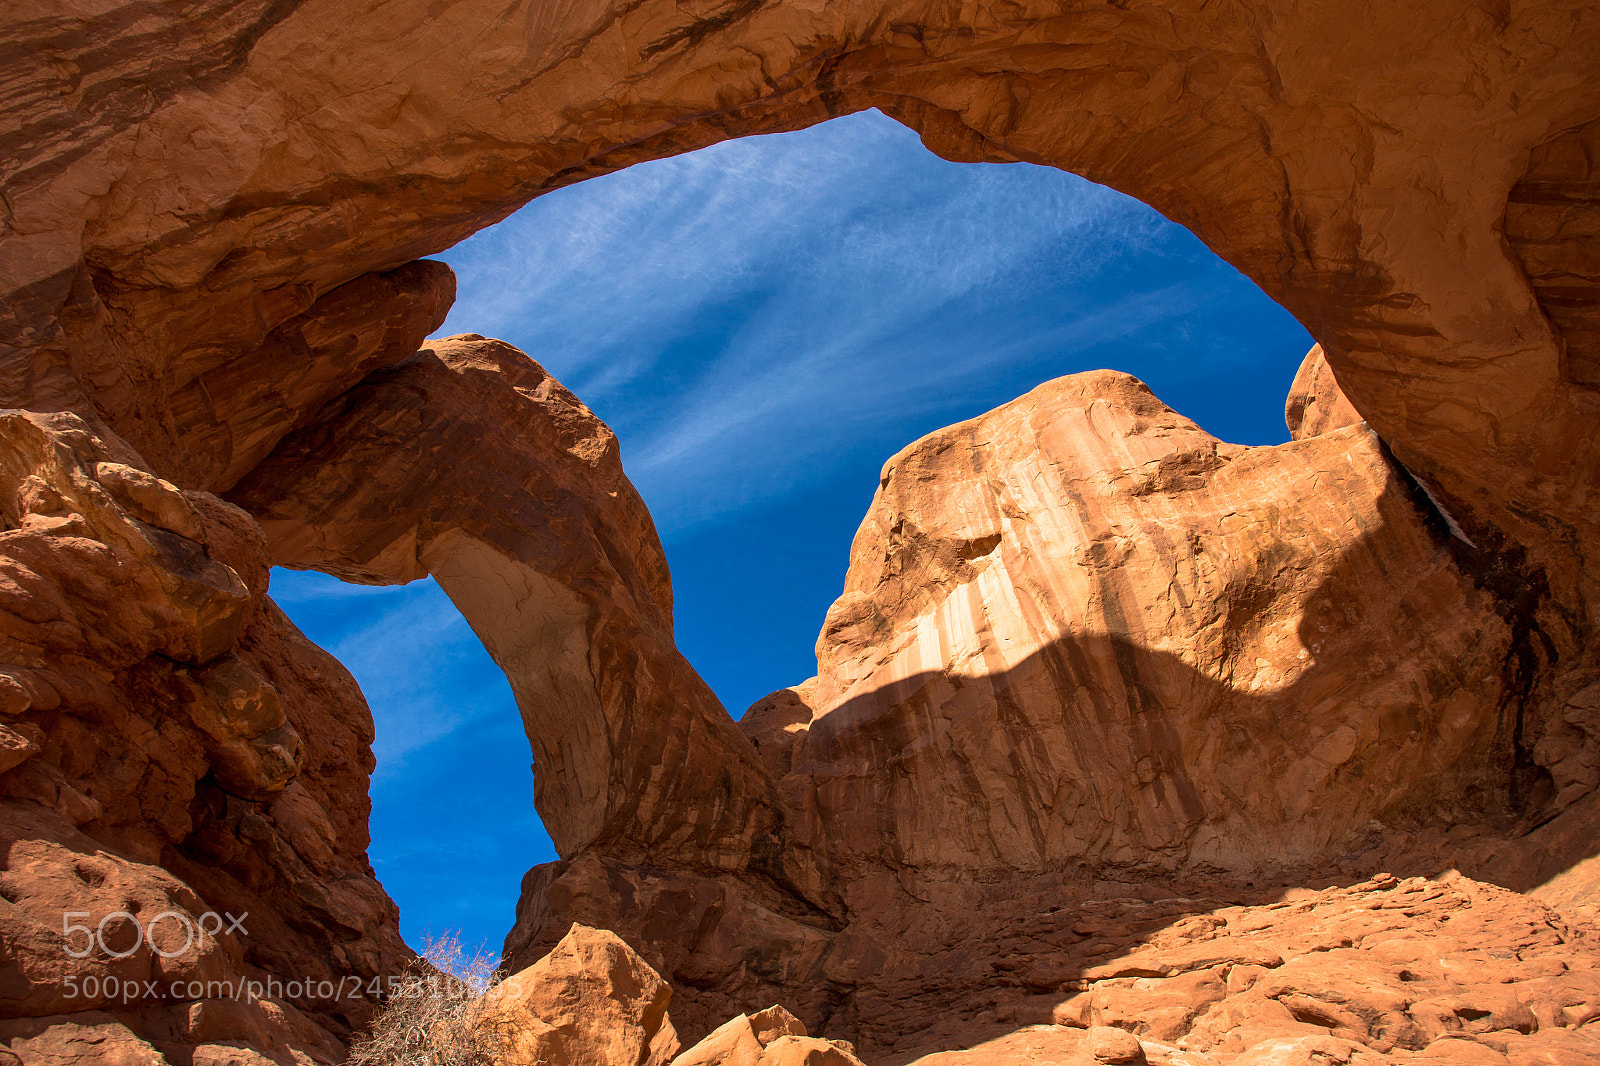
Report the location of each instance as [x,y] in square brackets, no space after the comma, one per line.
[1080,627]
[772,1037]
[1083,641]
[1316,403]
[1388,970]
[590,1002]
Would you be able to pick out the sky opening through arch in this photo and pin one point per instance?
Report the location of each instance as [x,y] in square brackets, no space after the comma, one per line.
[763,323]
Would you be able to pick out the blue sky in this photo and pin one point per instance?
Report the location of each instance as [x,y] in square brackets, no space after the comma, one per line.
[763,323]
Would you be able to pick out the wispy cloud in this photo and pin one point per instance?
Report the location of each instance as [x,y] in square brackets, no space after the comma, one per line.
[734,312]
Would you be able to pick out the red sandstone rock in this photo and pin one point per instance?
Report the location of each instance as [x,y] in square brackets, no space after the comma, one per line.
[772,1037]
[471,463]
[181,752]
[1316,403]
[1103,441]
[228,415]
[1078,628]
[1419,192]
[1132,545]
[733,1043]
[98,1038]
[806,1051]
[590,1002]
[1114,1045]
[343,495]
[774,1022]
[1390,970]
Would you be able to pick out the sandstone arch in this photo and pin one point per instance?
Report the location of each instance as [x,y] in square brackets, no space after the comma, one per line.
[212,218]
[272,160]
[1376,171]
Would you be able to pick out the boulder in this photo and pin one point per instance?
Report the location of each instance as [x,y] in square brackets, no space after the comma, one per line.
[591,1002]
[772,1037]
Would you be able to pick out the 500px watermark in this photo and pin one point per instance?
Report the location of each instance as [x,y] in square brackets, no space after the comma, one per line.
[195,930]
[101,988]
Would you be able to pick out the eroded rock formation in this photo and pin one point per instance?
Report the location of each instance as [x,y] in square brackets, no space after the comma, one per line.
[1080,626]
[178,189]
[178,756]
[1446,971]
[469,462]
[1079,635]
[772,1037]
[1165,658]
[1316,403]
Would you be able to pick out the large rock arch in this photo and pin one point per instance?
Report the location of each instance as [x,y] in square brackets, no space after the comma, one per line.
[212,222]
[1355,161]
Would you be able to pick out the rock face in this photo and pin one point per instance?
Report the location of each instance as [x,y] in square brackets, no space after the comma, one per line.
[471,463]
[590,1002]
[1316,403]
[180,184]
[772,1037]
[1420,970]
[179,757]
[1079,637]
[1078,634]
[1081,642]
[1078,626]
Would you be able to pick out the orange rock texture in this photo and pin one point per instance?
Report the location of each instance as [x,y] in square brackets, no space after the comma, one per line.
[470,463]
[178,190]
[1316,403]
[1081,638]
[178,756]
[1080,626]
[591,1002]
[1081,644]
[1388,970]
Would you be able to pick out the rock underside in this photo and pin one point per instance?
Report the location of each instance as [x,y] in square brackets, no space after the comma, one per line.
[1106,704]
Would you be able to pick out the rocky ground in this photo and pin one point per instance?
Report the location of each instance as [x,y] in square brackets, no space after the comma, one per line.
[1391,970]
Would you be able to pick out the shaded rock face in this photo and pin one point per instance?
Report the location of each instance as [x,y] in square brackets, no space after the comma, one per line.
[469,462]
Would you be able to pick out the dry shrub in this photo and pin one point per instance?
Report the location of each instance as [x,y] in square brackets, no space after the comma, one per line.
[433,1015]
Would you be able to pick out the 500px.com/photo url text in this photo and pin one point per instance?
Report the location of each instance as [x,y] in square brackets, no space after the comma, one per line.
[250,990]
